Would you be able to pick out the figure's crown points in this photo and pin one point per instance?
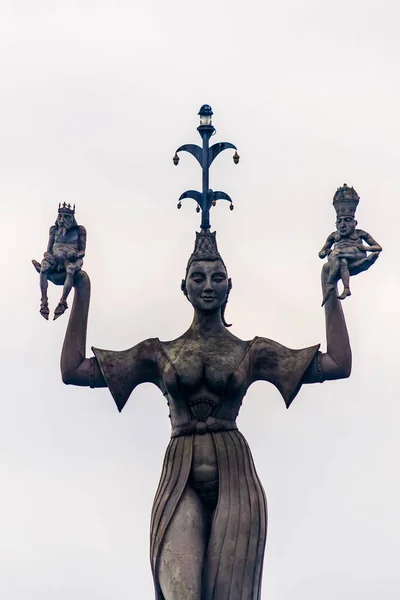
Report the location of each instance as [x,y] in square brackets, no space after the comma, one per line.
[66,208]
[346,201]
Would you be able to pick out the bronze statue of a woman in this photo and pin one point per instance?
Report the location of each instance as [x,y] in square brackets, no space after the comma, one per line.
[209,517]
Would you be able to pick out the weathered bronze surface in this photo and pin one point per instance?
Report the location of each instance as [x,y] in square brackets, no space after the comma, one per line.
[209,518]
[349,253]
[63,257]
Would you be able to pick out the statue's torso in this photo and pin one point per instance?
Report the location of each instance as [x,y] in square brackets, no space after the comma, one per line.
[198,372]
[346,247]
[65,243]
[203,378]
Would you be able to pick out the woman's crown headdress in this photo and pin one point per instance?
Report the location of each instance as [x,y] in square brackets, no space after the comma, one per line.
[205,247]
[346,201]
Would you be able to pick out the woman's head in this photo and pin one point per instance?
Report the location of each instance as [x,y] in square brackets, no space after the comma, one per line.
[206,284]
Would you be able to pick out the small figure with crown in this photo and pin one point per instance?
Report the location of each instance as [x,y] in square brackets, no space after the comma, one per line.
[62,259]
[349,254]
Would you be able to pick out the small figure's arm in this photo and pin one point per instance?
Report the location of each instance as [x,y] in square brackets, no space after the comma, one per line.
[81,242]
[373,246]
[327,246]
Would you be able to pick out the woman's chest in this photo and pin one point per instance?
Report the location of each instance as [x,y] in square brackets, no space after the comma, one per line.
[209,364]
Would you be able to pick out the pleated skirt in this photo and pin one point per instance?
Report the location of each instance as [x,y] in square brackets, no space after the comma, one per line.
[235,552]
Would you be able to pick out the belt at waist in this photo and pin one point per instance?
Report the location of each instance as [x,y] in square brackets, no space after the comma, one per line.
[201,427]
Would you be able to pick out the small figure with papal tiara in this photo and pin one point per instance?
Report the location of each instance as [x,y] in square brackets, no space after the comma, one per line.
[349,254]
[63,257]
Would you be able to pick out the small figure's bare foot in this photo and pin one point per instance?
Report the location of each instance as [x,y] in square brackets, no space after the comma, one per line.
[36,264]
[44,309]
[328,289]
[60,310]
[346,292]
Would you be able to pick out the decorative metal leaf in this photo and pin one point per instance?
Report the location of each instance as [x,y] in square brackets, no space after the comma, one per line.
[217,148]
[193,149]
[197,196]
[221,196]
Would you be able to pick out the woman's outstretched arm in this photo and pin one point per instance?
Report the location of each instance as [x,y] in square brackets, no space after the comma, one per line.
[121,371]
[76,369]
[335,363]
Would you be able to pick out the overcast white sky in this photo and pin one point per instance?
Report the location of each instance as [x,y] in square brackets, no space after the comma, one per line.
[96,96]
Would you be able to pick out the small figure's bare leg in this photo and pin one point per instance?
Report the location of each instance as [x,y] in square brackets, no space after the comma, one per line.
[332,278]
[60,309]
[44,309]
[183,549]
[333,271]
[62,305]
[345,275]
[69,282]
[45,267]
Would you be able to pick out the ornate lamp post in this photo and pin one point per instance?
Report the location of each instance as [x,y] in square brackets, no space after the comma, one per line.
[205,156]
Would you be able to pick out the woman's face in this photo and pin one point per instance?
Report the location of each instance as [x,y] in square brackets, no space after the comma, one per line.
[207,285]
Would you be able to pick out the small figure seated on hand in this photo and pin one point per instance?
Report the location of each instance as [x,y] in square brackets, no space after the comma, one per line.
[349,253]
[65,252]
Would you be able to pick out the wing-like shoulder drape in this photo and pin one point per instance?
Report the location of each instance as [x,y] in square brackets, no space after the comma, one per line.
[283,367]
[234,557]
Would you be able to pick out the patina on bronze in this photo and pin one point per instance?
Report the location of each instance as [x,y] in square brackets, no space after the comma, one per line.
[349,253]
[209,517]
[63,257]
